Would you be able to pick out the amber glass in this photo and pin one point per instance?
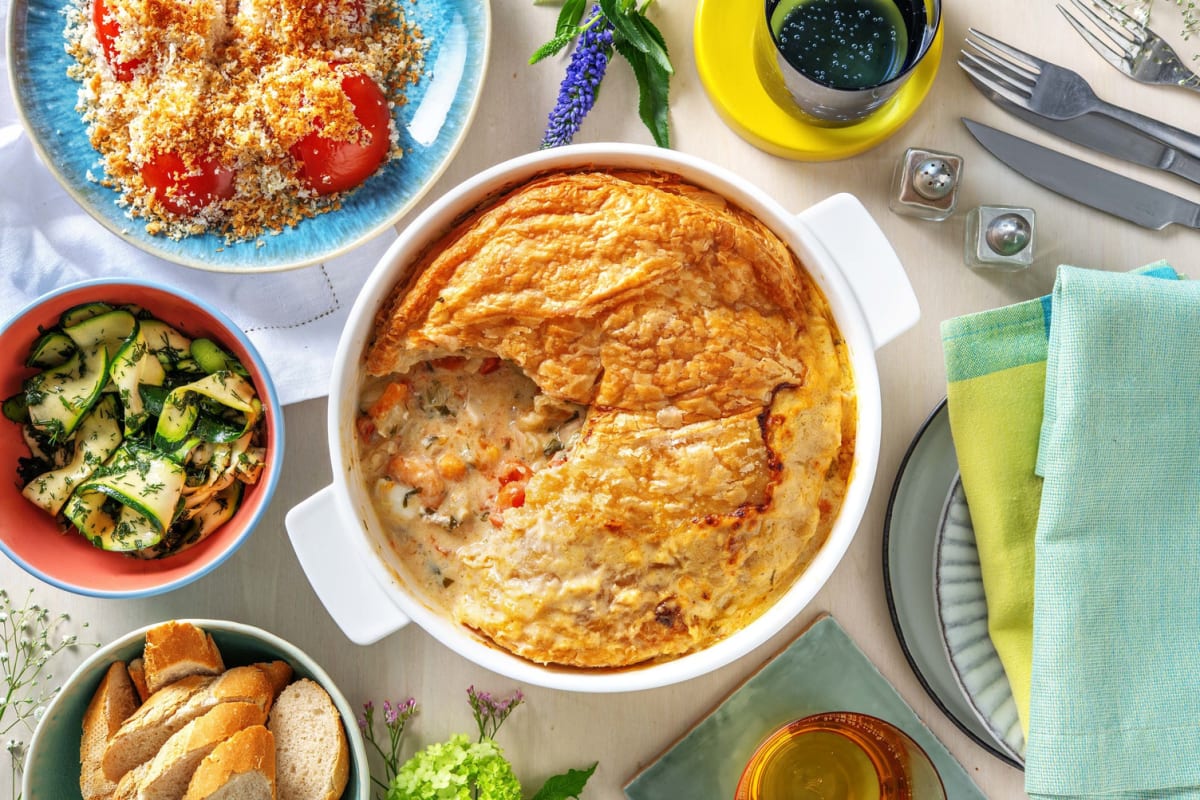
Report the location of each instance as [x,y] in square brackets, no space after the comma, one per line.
[839,756]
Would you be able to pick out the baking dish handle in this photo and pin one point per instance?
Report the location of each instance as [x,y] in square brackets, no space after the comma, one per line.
[348,591]
[865,257]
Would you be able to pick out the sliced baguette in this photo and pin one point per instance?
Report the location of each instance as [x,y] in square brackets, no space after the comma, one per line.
[312,758]
[113,702]
[140,738]
[240,768]
[137,674]
[176,650]
[279,673]
[167,775]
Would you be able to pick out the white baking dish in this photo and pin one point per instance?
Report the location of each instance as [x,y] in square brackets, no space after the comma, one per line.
[336,533]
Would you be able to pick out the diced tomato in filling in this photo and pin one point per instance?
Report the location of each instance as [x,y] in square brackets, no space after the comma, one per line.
[333,165]
[511,495]
[185,191]
[513,471]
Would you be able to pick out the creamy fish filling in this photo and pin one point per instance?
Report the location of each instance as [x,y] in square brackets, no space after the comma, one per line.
[447,449]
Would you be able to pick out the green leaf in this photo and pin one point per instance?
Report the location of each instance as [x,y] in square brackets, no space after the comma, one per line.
[653,85]
[570,17]
[624,26]
[658,51]
[568,785]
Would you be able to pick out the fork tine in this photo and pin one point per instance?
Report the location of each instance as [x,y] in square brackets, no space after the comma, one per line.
[1119,36]
[1122,17]
[1017,55]
[1106,52]
[989,85]
[1000,71]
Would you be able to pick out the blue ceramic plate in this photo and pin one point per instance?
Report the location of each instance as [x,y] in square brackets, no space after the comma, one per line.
[432,125]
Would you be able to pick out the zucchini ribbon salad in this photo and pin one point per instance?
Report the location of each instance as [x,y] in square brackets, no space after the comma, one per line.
[140,438]
[239,117]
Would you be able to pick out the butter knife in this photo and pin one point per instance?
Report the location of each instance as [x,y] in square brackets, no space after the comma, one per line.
[1085,183]
[1106,135]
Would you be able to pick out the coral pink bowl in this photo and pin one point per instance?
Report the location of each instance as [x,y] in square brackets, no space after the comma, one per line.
[32,538]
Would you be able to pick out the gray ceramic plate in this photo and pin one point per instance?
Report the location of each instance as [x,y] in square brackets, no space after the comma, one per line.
[962,616]
[432,126]
[909,535]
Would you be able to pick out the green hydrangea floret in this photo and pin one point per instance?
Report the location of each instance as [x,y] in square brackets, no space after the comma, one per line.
[457,769]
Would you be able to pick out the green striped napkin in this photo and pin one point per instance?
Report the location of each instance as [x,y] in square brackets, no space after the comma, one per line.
[1115,691]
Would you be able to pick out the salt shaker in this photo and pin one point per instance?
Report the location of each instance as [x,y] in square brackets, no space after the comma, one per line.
[925,184]
[999,238]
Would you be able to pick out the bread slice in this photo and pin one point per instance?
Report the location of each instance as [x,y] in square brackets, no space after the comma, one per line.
[137,674]
[312,758]
[240,768]
[143,734]
[167,775]
[279,673]
[113,702]
[176,650]
[140,736]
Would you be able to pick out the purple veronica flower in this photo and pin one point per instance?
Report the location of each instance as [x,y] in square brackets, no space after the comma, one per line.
[577,93]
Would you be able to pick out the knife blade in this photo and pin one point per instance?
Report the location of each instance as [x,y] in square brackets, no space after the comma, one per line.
[1106,135]
[1082,182]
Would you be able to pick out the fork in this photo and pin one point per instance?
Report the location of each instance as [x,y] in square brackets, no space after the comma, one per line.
[1055,92]
[1135,50]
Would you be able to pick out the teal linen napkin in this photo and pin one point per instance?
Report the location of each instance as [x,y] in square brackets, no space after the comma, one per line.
[1115,695]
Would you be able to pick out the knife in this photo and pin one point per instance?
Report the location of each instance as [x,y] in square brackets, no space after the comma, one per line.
[1108,136]
[1078,180]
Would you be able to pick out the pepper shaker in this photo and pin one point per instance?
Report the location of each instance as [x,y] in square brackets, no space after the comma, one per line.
[999,238]
[925,184]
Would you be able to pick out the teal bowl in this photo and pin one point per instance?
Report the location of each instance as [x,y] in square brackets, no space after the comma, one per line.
[52,764]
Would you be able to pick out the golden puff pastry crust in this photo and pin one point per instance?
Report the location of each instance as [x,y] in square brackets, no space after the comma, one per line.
[719,429]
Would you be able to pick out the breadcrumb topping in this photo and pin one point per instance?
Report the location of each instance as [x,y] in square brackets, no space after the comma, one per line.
[232,85]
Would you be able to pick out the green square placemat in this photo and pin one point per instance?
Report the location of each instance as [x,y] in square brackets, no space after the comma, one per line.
[822,670]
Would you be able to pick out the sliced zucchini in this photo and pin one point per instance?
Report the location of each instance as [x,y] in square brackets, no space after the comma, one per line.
[168,344]
[181,407]
[213,429]
[153,397]
[191,531]
[50,349]
[77,314]
[212,358]
[97,438]
[133,367]
[109,330]
[95,516]
[16,408]
[58,398]
[109,525]
[142,479]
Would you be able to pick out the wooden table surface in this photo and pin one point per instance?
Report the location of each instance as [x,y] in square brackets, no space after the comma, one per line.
[263,584]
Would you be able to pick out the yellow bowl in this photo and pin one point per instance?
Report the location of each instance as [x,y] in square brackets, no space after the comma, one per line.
[763,114]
